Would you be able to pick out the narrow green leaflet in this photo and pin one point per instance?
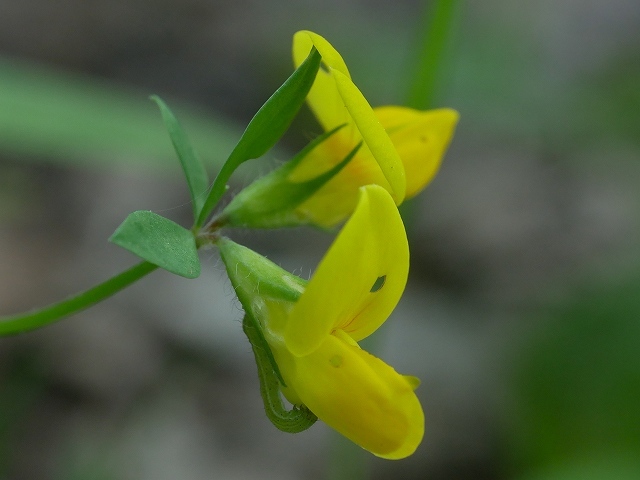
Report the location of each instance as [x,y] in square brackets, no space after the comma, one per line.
[266,127]
[194,171]
[160,241]
[275,116]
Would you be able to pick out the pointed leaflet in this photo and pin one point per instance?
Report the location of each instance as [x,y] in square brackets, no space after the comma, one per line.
[159,241]
[266,127]
[193,169]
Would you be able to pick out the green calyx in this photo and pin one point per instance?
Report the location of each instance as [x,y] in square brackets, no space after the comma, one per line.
[272,201]
[265,290]
[254,277]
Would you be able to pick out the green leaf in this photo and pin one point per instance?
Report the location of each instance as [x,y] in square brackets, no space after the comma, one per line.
[159,241]
[194,171]
[266,127]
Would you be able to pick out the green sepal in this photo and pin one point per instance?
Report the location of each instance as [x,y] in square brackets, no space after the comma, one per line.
[192,166]
[159,241]
[257,279]
[271,201]
[266,127]
[265,292]
[296,420]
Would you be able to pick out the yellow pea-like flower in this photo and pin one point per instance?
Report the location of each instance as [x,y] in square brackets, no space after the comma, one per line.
[313,328]
[402,148]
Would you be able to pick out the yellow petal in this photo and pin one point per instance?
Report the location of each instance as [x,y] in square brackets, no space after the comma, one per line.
[337,199]
[323,98]
[421,139]
[305,39]
[373,134]
[359,281]
[335,100]
[360,396]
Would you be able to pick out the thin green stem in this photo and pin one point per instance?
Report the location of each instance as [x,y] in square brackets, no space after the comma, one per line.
[14,324]
[436,28]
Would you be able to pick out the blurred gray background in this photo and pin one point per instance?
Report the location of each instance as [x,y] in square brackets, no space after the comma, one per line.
[522,312]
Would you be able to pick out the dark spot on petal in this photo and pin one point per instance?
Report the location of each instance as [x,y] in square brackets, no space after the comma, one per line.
[378,284]
[335,361]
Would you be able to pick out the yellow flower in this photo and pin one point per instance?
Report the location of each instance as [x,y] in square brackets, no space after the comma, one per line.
[313,329]
[402,147]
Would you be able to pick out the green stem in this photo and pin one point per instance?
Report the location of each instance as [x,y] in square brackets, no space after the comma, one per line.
[437,22]
[13,324]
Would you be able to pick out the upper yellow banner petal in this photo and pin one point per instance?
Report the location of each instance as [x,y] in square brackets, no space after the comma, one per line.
[303,40]
[360,396]
[373,134]
[359,281]
[323,98]
[421,139]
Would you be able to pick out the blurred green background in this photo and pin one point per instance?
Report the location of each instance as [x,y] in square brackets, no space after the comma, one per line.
[522,313]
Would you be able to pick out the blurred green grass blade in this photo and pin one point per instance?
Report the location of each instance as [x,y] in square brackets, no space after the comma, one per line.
[577,379]
[603,466]
[78,120]
[159,241]
[266,127]
[437,22]
[194,171]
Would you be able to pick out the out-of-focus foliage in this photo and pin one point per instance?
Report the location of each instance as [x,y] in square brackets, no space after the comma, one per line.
[578,385]
[75,119]
[612,100]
